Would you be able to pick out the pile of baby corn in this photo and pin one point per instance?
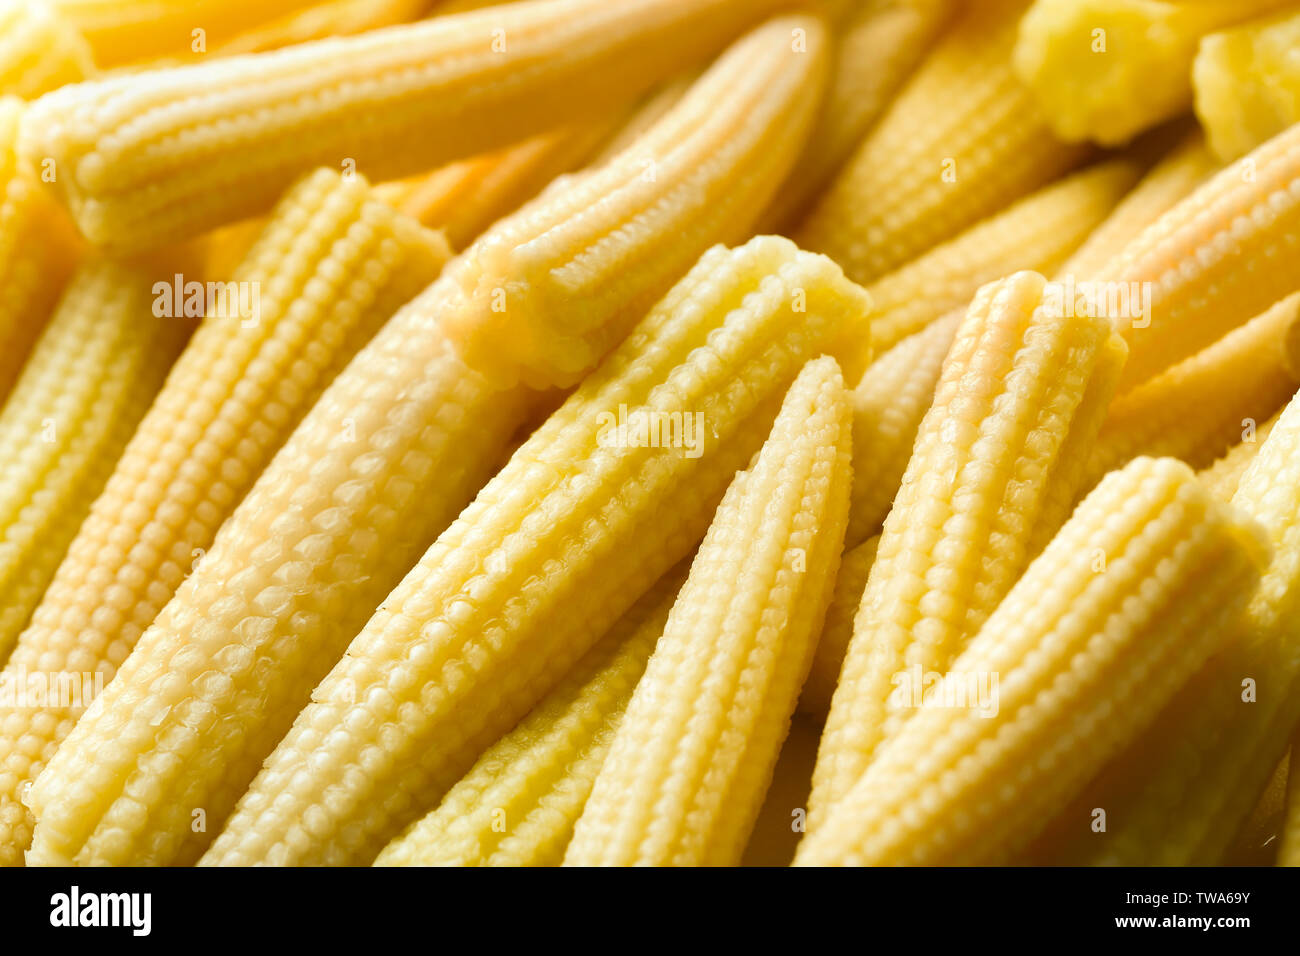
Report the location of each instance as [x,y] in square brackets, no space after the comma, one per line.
[669,432]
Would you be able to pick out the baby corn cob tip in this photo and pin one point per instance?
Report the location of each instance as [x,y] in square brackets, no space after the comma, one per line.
[688,768]
[1082,659]
[702,172]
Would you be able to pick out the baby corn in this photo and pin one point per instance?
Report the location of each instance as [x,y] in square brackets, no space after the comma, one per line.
[39,51]
[330,267]
[1223,476]
[895,392]
[693,757]
[88,383]
[958,536]
[329,19]
[125,31]
[1196,410]
[960,142]
[1247,83]
[1037,233]
[38,251]
[855,565]
[888,405]
[464,198]
[543,561]
[878,45]
[399,443]
[1105,70]
[519,803]
[1171,180]
[1182,790]
[1083,659]
[148,158]
[1221,256]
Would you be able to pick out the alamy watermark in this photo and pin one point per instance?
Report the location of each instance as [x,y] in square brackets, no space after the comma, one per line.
[1112,300]
[652,428]
[222,300]
[21,689]
[965,690]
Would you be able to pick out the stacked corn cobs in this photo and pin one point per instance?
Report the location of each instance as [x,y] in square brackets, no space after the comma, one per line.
[684,432]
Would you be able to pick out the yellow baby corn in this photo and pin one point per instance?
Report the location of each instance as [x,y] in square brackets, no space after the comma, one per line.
[855,565]
[38,251]
[543,561]
[331,18]
[152,157]
[888,404]
[1196,410]
[88,383]
[464,198]
[1065,479]
[1223,476]
[1221,256]
[330,267]
[1037,233]
[1170,181]
[982,469]
[39,51]
[705,169]
[1083,659]
[1180,793]
[518,804]
[401,441]
[694,754]
[878,45]
[1107,69]
[961,141]
[123,31]
[1247,83]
